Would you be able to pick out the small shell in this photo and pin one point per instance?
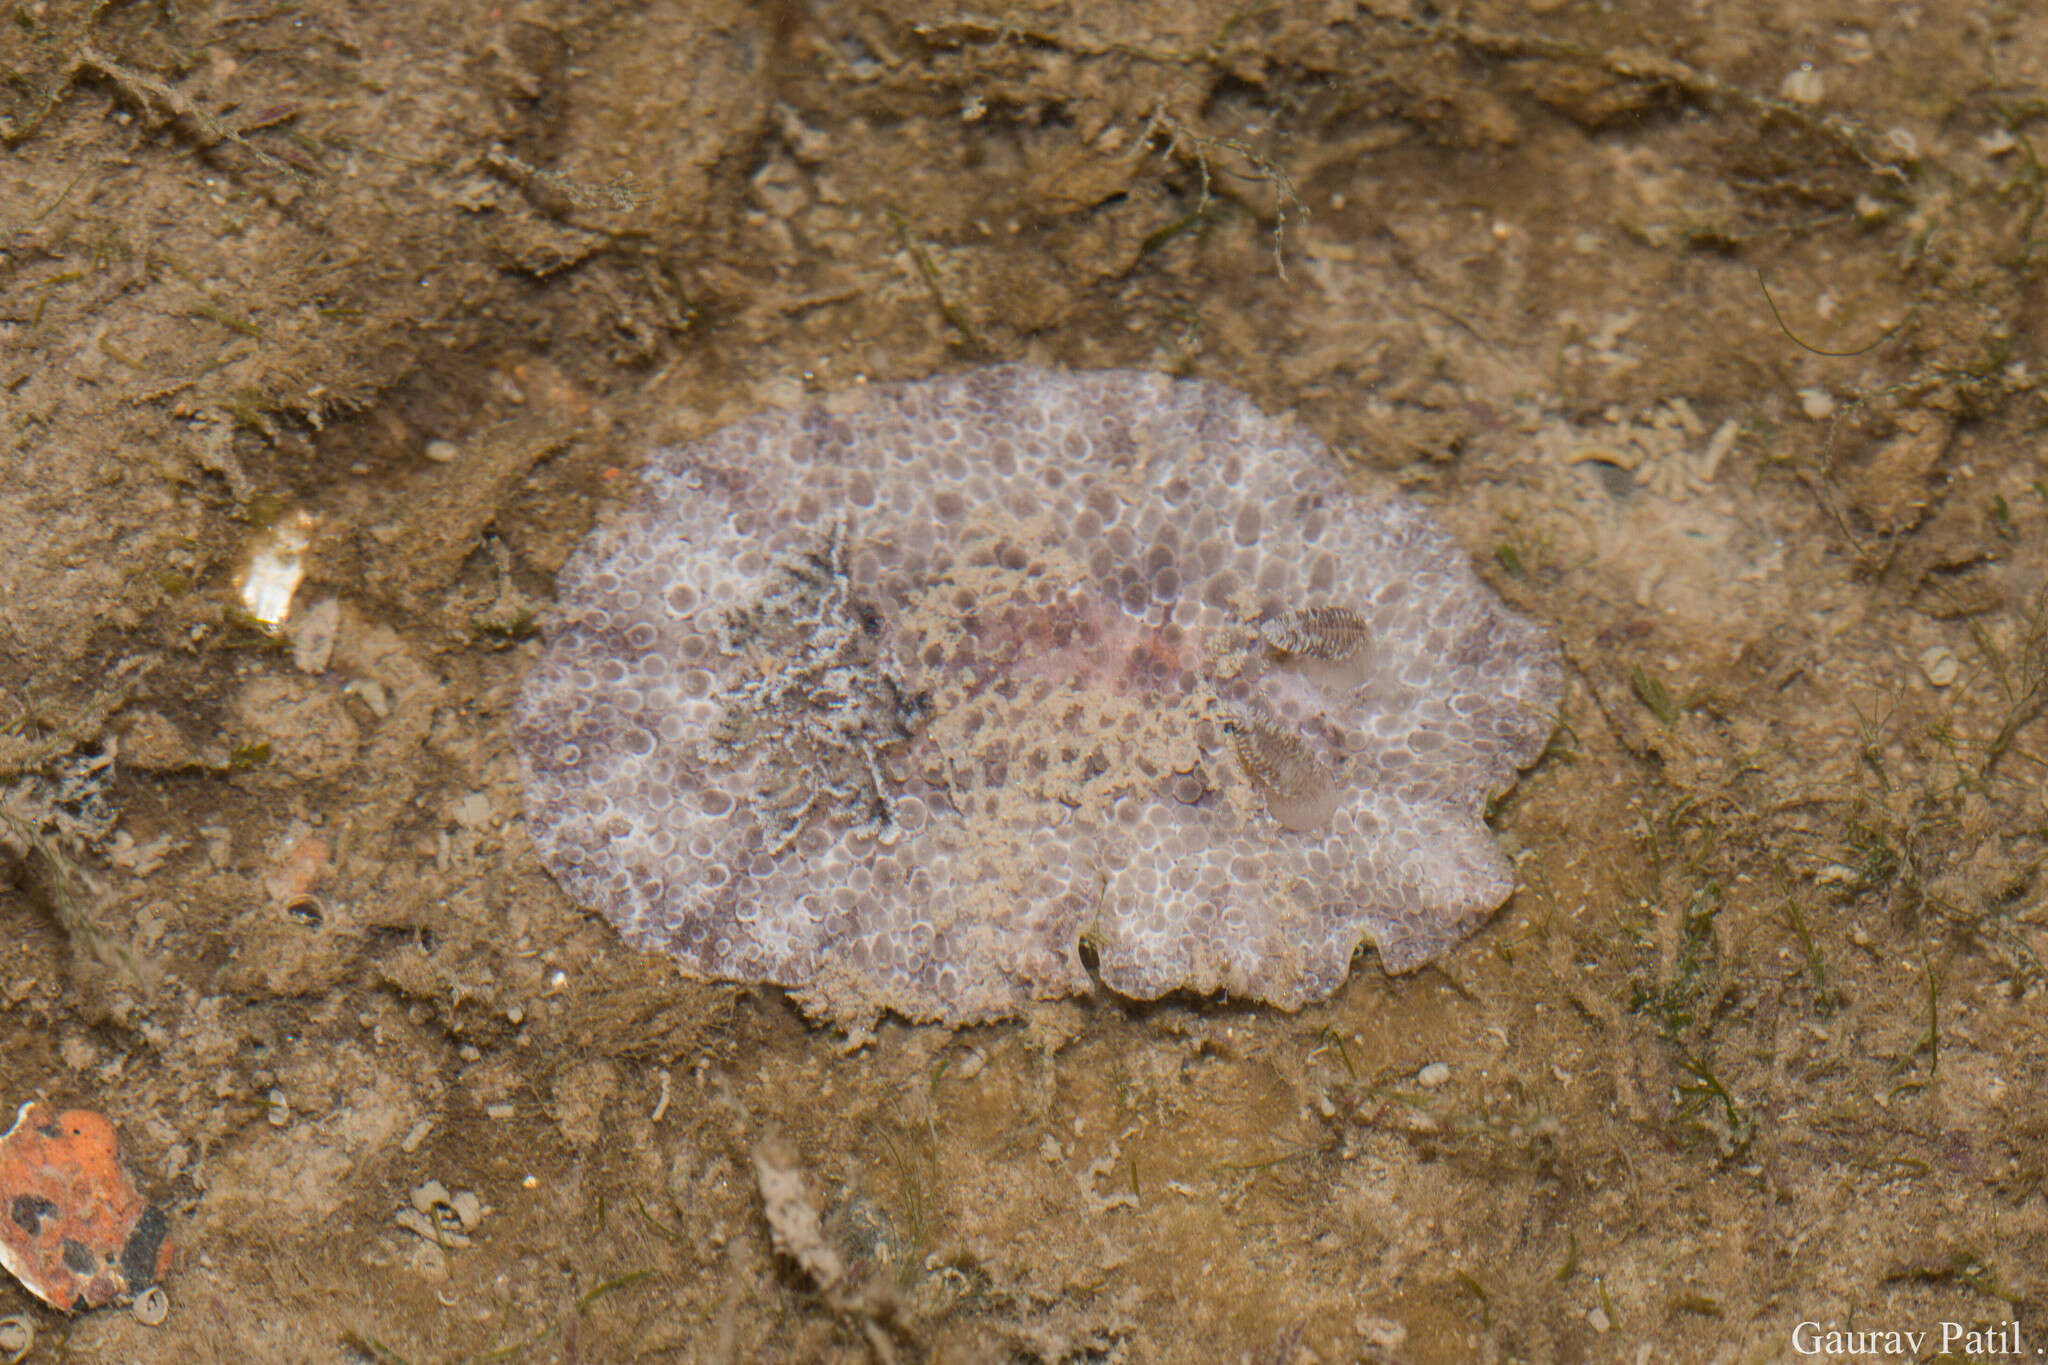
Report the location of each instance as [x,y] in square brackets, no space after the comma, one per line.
[17,1337]
[151,1306]
[1298,790]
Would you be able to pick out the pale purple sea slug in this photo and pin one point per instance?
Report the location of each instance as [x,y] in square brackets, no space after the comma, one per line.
[899,698]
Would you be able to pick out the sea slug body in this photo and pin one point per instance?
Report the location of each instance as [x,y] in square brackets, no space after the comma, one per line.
[897,698]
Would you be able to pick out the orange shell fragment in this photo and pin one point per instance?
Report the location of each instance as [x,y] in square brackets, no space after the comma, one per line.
[73,1229]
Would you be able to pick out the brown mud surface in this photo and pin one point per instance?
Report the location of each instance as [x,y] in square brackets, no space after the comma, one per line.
[1757,1042]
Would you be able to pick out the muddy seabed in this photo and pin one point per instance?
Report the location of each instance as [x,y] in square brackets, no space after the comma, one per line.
[1756,1043]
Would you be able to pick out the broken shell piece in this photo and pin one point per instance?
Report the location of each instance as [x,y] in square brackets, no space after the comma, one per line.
[1718,446]
[469,1208]
[1298,790]
[1940,665]
[427,1197]
[416,1223]
[77,1234]
[277,561]
[373,695]
[1616,456]
[312,634]
[442,1232]
[440,1217]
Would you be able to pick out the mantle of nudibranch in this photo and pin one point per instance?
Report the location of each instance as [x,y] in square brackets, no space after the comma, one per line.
[899,698]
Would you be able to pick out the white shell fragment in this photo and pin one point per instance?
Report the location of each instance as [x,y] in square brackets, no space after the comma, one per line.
[439,1217]
[1940,665]
[275,564]
[1804,85]
[898,698]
